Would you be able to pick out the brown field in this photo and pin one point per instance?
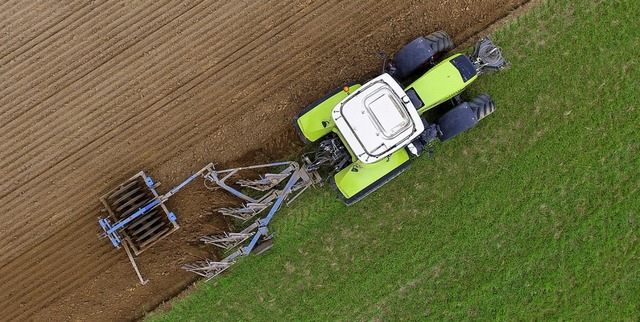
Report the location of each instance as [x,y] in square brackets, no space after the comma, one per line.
[92,92]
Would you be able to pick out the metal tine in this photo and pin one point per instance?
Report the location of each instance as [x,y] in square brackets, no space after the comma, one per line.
[303,187]
[301,179]
[226,240]
[266,182]
[207,268]
[245,213]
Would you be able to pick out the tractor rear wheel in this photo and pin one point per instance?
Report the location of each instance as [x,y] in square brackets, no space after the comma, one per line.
[440,42]
[482,106]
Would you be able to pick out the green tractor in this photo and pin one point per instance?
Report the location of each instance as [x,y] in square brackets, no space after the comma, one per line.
[369,133]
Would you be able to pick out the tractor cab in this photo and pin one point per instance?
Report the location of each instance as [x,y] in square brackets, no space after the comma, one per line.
[377,119]
[370,133]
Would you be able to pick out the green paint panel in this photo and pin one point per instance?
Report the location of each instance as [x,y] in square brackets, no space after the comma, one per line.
[351,182]
[440,83]
[311,122]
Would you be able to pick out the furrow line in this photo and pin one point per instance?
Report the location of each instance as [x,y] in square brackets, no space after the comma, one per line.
[80,230]
[43,29]
[8,16]
[24,151]
[28,122]
[35,112]
[55,60]
[292,78]
[48,289]
[49,38]
[286,80]
[81,233]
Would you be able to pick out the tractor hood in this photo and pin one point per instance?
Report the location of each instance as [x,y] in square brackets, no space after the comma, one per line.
[377,119]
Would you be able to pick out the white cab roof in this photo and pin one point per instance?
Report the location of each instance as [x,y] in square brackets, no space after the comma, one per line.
[377,119]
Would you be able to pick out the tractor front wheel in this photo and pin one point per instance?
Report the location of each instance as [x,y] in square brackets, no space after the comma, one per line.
[440,43]
[482,105]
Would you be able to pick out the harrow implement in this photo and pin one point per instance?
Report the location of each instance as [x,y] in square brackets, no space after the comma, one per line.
[256,237]
[138,216]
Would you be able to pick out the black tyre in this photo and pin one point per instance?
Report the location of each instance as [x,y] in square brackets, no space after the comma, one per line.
[411,58]
[263,247]
[482,106]
[440,42]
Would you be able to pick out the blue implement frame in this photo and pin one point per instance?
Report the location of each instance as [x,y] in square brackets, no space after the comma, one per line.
[299,179]
[214,179]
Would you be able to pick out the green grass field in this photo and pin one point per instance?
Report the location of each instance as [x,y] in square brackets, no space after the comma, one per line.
[533,214]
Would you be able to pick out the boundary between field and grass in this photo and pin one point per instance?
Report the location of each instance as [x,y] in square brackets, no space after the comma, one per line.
[533,214]
[469,39]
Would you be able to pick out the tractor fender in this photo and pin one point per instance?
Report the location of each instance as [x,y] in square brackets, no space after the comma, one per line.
[358,179]
[411,57]
[314,121]
[456,121]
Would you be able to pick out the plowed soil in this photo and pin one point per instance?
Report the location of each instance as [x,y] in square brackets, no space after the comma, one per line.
[91,92]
